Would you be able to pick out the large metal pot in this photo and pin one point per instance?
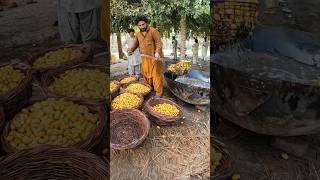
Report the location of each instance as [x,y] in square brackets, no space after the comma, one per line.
[266,94]
[187,92]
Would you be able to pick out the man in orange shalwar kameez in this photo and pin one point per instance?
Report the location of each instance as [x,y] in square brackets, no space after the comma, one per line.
[150,44]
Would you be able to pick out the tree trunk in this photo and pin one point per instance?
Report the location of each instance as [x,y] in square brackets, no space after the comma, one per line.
[183,27]
[119,45]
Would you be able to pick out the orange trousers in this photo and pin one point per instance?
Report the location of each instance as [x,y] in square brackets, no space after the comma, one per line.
[152,72]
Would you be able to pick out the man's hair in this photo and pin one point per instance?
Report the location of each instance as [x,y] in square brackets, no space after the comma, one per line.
[140,18]
[130,30]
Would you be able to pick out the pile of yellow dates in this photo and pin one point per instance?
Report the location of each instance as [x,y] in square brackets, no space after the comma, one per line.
[128,79]
[53,122]
[180,68]
[137,88]
[113,86]
[125,100]
[57,57]
[82,83]
[166,109]
[9,78]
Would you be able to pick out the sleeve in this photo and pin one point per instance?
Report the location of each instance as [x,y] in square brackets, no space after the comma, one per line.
[134,45]
[157,40]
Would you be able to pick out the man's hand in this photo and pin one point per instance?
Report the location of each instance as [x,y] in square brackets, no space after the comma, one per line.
[157,55]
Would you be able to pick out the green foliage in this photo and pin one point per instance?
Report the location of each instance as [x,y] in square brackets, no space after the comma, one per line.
[164,14]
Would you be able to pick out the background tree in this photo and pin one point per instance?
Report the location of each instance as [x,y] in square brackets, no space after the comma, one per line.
[190,18]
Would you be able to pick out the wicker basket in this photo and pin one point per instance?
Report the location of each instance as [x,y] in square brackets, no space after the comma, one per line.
[138,106]
[86,57]
[122,77]
[88,144]
[129,123]
[159,118]
[116,91]
[138,82]
[232,20]
[18,97]
[224,169]
[48,78]
[52,162]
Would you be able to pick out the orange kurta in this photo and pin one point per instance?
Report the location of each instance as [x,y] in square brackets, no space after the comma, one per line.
[151,70]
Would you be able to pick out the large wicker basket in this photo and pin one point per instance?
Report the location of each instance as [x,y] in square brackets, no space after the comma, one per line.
[87,144]
[18,97]
[52,162]
[87,56]
[159,118]
[138,106]
[48,79]
[232,20]
[131,124]
[224,169]
[138,82]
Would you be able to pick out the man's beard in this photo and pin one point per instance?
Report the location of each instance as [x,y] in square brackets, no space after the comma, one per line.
[143,29]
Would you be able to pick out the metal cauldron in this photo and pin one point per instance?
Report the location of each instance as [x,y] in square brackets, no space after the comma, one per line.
[265,93]
[187,92]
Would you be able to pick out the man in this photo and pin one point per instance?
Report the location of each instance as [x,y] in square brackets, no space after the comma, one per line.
[204,49]
[174,44]
[79,20]
[195,49]
[133,60]
[150,44]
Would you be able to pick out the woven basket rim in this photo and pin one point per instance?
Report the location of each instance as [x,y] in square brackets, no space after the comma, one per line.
[48,78]
[22,85]
[85,49]
[224,169]
[138,106]
[143,118]
[162,117]
[138,82]
[50,155]
[85,144]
